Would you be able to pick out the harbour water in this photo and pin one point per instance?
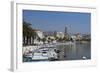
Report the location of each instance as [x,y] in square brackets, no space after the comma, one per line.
[76,51]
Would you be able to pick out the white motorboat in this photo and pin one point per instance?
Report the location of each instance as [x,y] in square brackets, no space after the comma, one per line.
[40,56]
[52,54]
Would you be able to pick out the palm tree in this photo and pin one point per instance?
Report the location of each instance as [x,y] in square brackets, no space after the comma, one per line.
[39,39]
[49,39]
[56,38]
[64,38]
[44,39]
[32,34]
[29,33]
[25,32]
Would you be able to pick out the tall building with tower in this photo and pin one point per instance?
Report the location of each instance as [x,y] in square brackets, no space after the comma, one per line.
[66,31]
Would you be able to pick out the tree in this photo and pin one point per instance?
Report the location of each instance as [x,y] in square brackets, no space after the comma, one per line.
[64,38]
[60,39]
[52,40]
[29,33]
[44,39]
[56,38]
[39,39]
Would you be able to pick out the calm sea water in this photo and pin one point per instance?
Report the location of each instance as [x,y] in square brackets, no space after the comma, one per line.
[75,52]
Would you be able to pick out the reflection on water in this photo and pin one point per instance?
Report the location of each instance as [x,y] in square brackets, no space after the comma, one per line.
[77,51]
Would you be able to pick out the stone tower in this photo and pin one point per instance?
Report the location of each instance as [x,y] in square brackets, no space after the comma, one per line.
[66,30]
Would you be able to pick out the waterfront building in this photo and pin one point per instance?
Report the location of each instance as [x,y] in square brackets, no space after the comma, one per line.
[86,37]
[73,37]
[39,37]
[78,36]
[50,36]
[40,34]
[60,35]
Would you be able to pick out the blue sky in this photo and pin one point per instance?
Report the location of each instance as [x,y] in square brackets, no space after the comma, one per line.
[56,21]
